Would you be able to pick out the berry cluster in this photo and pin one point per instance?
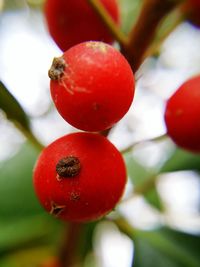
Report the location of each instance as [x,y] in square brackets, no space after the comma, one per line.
[81,176]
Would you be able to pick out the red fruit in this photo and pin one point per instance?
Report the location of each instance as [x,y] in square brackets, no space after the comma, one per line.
[191,9]
[80,177]
[73,21]
[92,86]
[195,3]
[182,115]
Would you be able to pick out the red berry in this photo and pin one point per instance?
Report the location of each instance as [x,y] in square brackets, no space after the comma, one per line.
[92,86]
[73,21]
[84,189]
[182,115]
[191,9]
[195,3]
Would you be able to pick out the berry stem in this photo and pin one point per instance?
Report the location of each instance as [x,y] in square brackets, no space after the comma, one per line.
[143,32]
[155,139]
[108,21]
[69,247]
[105,132]
[156,46]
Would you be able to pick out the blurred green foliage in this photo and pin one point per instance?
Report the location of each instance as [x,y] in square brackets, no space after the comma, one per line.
[129,13]
[140,175]
[167,248]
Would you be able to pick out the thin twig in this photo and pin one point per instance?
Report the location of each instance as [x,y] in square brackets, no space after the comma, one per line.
[155,139]
[69,248]
[29,135]
[108,21]
[143,32]
[135,45]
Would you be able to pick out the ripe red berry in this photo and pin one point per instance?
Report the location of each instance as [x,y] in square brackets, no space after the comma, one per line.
[195,3]
[92,86]
[73,21]
[80,177]
[191,9]
[182,115]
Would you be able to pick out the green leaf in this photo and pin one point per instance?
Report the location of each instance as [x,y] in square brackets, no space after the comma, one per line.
[86,243]
[166,248]
[146,255]
[170,22]
[140,175]
[23,232]
[17,196]
[12,108]
[181,160]
[129,10]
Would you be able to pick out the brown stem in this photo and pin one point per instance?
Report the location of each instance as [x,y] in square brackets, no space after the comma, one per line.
[156,47]
[134,48]
[69,247]
[142,34]
[105,132]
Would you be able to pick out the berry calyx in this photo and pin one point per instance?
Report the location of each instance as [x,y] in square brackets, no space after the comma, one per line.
[93,191]
[57,69]
[95,88]
[68,166]
[182,115]
[71,22]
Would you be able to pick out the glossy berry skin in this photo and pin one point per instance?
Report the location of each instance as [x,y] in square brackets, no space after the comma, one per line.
[96,88]
[90,194]
[182,115]
[73,21]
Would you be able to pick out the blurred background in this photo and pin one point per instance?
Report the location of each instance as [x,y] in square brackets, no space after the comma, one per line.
[161,205]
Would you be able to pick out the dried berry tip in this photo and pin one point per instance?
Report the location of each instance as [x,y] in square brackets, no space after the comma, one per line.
[68,167]
[57,68]
[56,209]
